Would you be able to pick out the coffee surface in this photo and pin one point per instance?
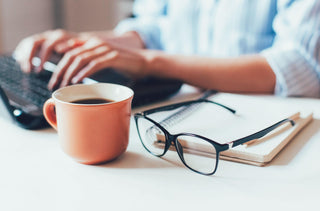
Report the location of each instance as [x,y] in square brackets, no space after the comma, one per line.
[93,101]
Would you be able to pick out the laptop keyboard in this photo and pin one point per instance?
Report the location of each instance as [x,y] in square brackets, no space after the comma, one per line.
[30,87]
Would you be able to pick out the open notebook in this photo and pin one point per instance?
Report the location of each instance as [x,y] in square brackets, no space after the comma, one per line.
[253,113]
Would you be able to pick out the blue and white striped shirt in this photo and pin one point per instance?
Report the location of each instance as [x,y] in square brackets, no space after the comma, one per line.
[285,32]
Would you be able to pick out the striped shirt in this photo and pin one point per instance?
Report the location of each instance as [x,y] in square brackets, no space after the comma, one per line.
[285,32]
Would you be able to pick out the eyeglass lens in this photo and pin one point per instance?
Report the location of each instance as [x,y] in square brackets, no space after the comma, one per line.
[197,153]
[152,137]
[188,147]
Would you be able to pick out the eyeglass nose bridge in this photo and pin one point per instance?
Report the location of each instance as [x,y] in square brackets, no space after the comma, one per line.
[172,141]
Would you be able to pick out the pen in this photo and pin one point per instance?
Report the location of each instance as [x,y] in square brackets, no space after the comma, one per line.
[294,117]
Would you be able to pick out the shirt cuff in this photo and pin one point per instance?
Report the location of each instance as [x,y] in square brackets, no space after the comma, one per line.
[148,31]
[295,76]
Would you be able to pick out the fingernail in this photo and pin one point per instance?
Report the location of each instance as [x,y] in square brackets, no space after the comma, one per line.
[50,86]
[74,80]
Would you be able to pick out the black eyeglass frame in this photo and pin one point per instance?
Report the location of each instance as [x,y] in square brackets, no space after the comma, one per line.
[173,138]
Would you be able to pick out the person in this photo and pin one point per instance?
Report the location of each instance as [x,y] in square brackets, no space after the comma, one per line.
[269,47]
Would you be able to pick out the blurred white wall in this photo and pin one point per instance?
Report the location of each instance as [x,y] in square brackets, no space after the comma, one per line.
[21,18]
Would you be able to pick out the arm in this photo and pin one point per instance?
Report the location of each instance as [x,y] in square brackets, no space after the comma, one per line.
[250,73]
[294,56]
[289,68]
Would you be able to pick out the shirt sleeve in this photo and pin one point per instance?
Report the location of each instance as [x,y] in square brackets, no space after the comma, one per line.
[149,15]
[295,54]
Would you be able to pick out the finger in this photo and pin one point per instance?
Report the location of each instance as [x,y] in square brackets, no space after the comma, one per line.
[67,61]
[82,60]
[46,51]
[95,65]
[63,65]
[60,70]
[26,51]
[52,39]
[74,43]
[68,45]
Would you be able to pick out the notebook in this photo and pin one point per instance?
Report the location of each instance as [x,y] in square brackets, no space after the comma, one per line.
[22,95]
[253,113]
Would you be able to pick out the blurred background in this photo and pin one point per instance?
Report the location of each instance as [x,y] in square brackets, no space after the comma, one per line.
[21,18]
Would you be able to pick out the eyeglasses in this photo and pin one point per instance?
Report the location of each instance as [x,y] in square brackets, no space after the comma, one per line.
[157,140]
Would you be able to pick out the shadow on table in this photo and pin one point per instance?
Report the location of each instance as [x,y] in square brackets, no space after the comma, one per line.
[292,149]
[135,160]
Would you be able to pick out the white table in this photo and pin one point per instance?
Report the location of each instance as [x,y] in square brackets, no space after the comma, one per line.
[37,175]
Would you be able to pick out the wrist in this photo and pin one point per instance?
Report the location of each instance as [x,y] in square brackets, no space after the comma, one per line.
[152,62]
[161,64]
[131,39]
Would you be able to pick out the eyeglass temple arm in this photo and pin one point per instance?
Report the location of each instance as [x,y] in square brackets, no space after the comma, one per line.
[260,133]
[186,103]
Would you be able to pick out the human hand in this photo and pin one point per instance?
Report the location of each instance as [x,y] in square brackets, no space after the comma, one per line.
[96,54]
[45,43]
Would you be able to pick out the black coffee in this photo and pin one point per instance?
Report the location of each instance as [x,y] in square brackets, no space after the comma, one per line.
[92,101]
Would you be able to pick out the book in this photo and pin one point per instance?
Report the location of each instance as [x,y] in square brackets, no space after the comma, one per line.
[253,113]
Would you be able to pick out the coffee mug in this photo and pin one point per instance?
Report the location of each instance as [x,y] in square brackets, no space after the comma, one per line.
[92,120]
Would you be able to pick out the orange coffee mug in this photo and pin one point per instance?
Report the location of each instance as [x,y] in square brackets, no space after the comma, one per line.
[92,120]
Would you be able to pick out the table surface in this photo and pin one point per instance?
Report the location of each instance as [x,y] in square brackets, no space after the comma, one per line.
[37,175]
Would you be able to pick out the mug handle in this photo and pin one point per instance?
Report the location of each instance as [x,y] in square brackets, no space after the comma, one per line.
[49,113]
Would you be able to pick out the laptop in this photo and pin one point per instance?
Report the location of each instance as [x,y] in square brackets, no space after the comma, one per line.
[22,95]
